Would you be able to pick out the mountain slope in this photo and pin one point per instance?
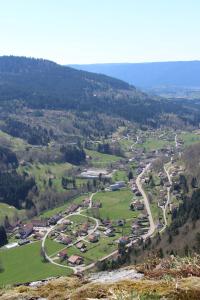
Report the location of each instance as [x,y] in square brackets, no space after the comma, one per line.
[148,75]
[43,84]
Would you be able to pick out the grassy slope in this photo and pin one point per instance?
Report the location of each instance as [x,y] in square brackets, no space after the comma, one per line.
[153,144]
[24,264]
[42,173]
[51,212]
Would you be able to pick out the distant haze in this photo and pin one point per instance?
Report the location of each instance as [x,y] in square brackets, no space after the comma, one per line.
[151,75]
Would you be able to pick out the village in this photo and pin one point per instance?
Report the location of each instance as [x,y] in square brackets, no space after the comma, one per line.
[84,233]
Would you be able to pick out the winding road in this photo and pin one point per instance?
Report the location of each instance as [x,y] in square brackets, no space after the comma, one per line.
[80,212]
[146,203]
[75,269]
[168,200]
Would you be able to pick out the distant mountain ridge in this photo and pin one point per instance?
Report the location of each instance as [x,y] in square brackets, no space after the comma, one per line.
[151,75]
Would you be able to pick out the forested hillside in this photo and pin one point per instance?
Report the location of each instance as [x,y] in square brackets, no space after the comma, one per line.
[44,84]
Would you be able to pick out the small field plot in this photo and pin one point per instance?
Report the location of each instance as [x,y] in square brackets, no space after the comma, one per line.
[115,205]
[190,138]
[120,176]
[24,264]
[153,144]
[101,160]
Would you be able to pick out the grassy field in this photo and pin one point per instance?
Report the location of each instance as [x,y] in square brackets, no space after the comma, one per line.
[115,205]
[42,173]
[153,144]
[189,138]
[23,264]
[11,212]
[120,176]
[101,160]
[52,247]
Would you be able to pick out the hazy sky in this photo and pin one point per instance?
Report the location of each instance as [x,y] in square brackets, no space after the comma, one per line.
[95,31]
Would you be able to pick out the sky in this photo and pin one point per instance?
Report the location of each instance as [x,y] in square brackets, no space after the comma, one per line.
[101,31]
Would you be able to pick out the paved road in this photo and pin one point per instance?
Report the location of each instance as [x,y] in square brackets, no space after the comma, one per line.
[146,203]
[83,268]
[164,209]
[80,239]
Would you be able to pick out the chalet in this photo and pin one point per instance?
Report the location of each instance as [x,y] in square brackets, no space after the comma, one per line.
[63,254]
[137,205]
[54,220]
[93,238]
[134,189]
[26,230]
[66,240]
[109,232]
[138,194]
[39,223]
[80,245]
[67,222]
[38,235]
[96,204]
[83,231]
[75,260]
[106,222]
[23,242]
[123,240]
[120,222]
[143,217]
[86,202]
[73,208]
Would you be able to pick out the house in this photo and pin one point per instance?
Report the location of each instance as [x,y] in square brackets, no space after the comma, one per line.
[39,223]
[63,254]
[123,240]
[26,230]
[66,240]
[137,205]
[75,260]
[138,194]
[67,222]
[96,204]
[93,238]
[120,222]
[109,232]
[86,202]
[54,220]
[81,246]
[23,242]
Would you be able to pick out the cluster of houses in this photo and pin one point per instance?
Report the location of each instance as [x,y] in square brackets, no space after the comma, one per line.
[140,226]
[34,230]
